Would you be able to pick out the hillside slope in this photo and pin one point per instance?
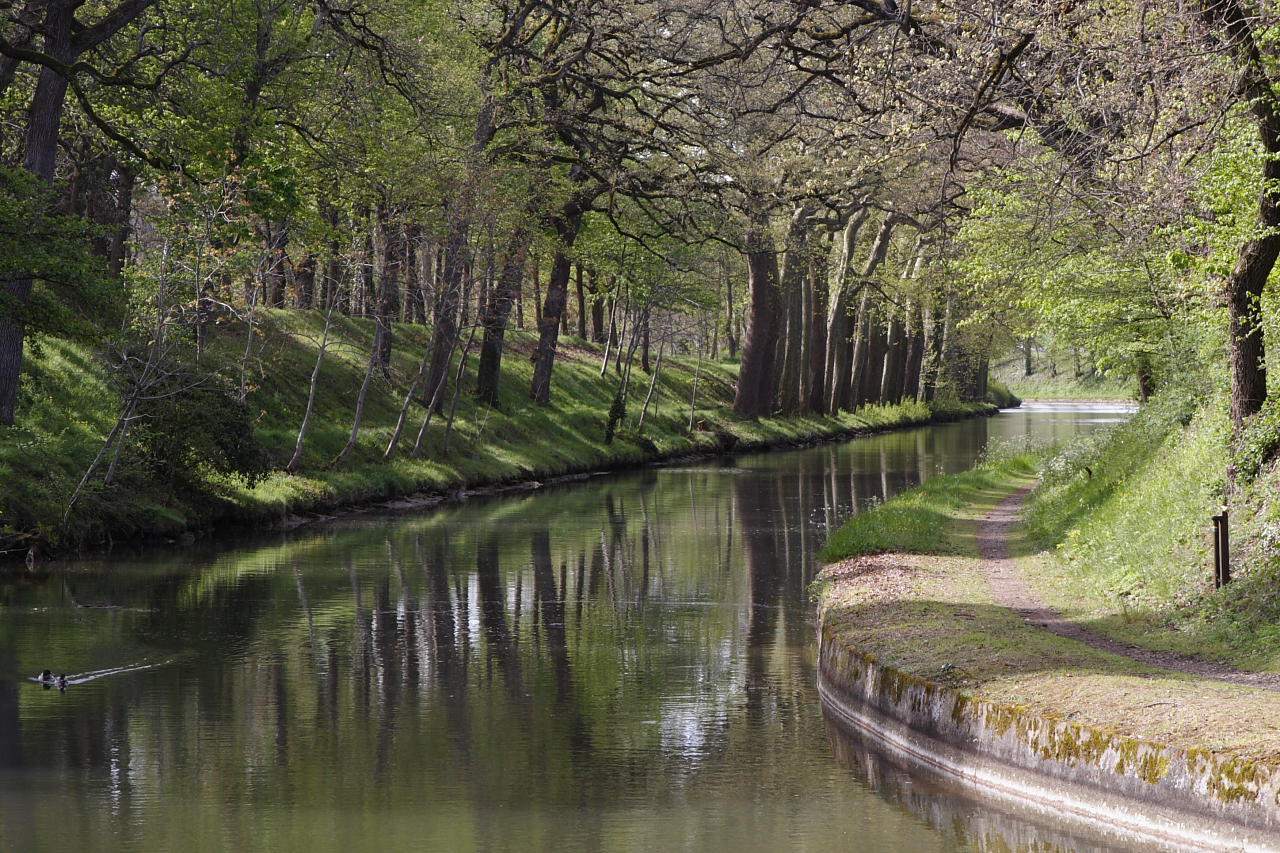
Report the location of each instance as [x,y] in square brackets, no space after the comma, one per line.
[163,485]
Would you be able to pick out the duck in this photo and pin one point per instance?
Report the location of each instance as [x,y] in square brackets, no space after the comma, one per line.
[62,681]
[45,675]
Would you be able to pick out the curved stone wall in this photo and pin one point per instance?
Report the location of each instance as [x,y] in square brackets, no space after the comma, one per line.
[1188,798]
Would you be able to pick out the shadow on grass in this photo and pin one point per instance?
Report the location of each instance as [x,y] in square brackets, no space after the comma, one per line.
[965,645]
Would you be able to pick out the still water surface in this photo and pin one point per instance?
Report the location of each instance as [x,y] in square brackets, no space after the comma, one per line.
[621,664]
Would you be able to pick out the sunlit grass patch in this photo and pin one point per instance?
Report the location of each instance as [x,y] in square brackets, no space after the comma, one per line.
[920,521]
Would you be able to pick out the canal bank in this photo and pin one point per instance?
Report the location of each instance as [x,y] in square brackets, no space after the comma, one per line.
[928,654]
[198,474]
[287,501]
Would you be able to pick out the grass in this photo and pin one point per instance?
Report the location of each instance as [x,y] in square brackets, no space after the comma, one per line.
[67,406]
[1058,382]
[920,521]
[1124,521]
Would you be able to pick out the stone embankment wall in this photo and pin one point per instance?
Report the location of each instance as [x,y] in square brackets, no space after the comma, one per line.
[1188,798]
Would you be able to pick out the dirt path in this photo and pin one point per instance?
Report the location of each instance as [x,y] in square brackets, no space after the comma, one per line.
[1010,590]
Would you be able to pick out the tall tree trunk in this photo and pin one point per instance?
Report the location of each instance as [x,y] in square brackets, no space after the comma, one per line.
[935,343]
[757,375]
[644,341]
[839,328]
[361,396]
[895,358]
[857,352]
[730,329]
[444,335]
[304,280]
[817,286]
[1243,287]
[566,225]
[312,388]
[872,369]
[414,262]
[276,237]
[333,259]
[795,264]
[389,258]
[582,301]
[367,284]
[496,315]
[915,351]
[598,333]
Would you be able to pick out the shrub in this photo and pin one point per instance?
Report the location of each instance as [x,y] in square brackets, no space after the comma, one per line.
[189,428]
[999,394]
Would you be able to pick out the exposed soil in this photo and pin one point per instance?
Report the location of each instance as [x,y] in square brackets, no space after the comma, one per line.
[1010,589]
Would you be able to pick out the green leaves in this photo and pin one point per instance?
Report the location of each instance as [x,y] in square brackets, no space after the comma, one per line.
[73,295]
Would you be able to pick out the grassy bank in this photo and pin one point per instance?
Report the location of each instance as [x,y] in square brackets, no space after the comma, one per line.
[920,521]
[69,405]
[905,583]
[1125,522]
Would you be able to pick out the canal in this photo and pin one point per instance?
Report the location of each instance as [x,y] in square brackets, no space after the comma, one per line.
[621,664]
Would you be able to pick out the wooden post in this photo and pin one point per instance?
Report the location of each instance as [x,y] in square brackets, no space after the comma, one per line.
[1221,551]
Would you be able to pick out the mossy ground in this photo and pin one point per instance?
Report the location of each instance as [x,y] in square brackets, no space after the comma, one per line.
[67,407]
[928,610]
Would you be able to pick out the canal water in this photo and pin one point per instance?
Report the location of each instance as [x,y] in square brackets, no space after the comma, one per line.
[621,664]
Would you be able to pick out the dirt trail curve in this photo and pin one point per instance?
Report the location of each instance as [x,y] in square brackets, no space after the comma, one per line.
[1010,590]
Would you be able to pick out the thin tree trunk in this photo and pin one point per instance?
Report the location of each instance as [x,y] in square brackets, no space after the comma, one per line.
[597,307]
[457,390]
[626,327]
[311,394]
[653,383]
[360,401]
[693,395]
[644,342]
[404,406]
[251,296]
[613,328]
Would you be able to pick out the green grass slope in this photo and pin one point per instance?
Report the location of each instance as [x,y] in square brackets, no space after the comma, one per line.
[68,405]
[1127,514]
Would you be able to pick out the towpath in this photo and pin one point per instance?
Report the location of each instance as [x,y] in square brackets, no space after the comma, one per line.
[1010,589]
